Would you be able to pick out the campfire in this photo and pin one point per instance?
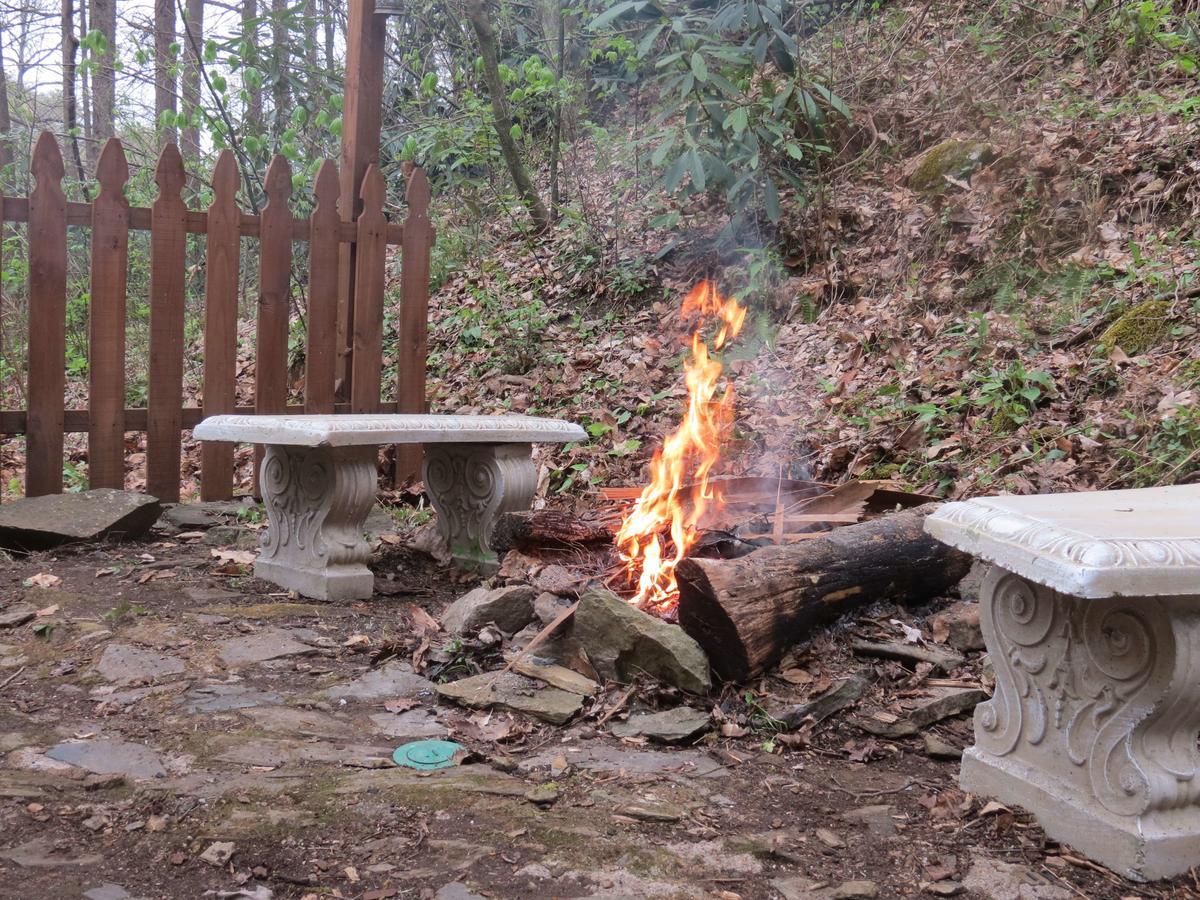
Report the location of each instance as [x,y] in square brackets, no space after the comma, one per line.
[680,493]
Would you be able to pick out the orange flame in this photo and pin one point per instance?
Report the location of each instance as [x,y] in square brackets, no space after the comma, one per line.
[688,455]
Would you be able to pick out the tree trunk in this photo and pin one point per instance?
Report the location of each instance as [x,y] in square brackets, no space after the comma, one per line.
[280,40]
[91,150]
[70,46]
[747,612]
[104,20]
[193,47]
[254,108]
[560,70]
[6,149]
[486,35]
[330,37]
[164,71]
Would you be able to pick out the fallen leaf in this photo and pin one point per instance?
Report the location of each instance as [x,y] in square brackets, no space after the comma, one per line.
[42,580]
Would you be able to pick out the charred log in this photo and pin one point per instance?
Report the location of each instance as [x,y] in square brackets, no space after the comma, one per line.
[747,612]
[546,528]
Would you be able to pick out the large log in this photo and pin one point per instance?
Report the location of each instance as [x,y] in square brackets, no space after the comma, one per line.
[545,528]
[746,612]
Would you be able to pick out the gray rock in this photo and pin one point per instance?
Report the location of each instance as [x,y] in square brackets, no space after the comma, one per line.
[16,614]
[877,818]
[960,623]
[510,608]
[218,853]
[126,664]
[855,890]
[547,607]
[610,760]
[105,756]
[260,647]
[622,642]
[845,693]
[456,890]
[45,853]
[37,523]
[379,522]
[108,891]
[394,680]
[668,727]
[301,722]
[936,748]
[516,693]
[412,725]
[231,536]
[557,580]
[201,515]
[225,697]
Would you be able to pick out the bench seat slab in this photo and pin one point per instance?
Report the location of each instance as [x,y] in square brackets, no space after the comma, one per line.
[317,501]
[1095,717]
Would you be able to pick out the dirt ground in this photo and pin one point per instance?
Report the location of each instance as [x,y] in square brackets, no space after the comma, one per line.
[171,728]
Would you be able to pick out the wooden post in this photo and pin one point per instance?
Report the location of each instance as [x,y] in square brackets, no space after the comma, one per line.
[414,320]
[168,246]
[106,334]
[320,357]
[367,369]
[274,284]
[362,113]
[220,324]
[47,320]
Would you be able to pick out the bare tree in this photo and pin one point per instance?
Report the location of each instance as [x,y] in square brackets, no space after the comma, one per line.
[104,20]
[486,35]
[280,40]
[6,151]
[254,109]
[164,70]
[193,43]
[70,47]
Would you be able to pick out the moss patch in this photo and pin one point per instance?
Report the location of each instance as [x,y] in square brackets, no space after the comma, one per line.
[954,158]
[1138,329]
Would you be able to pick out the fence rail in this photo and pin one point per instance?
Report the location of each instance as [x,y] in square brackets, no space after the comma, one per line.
[48,214]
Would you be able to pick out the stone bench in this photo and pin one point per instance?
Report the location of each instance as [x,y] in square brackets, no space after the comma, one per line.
[318,482]
[1091,616]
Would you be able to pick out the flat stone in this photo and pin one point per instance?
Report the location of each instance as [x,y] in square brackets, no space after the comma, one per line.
[936,748]
[218,853]
[456,890]
[556,676]
[798,888]
[29,759]
[232,536]
[105,756]
[877,818]
[652,812]
[547,607]
[855,890]
[126,664]
[226,697]
[17,614]
[202,515]
[556,580]
[393,680]
[543,794]
[509,608]
[412,725]
[992,879]
[378,429]
[468,779]
[623,642]
[612,760]
[108,891]
[302,722]
[279,752]
[668,727]
[514,692]
[944,703]
[45,853]
[261,647]
[37,523]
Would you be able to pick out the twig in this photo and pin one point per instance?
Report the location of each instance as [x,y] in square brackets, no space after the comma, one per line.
[621,701]
[862,795]
[11,678]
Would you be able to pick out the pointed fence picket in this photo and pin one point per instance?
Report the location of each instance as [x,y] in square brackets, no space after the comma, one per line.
[106,420]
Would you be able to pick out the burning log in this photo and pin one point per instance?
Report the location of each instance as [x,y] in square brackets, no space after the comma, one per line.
[546,528]
[746,612]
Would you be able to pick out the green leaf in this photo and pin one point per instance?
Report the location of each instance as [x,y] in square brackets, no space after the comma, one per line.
[699,68]
[738,120]
[771,196]
[613,13]
[647,42]
[661,151]
[697,169]
[515,132]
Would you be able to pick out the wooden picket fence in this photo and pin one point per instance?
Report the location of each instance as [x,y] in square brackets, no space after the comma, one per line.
[358,352]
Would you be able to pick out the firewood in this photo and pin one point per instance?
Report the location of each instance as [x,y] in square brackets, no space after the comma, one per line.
[546,528]
[747,612]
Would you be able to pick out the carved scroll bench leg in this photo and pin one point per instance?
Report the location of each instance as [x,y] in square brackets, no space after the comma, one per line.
[317,501]
[1093,726]
[470,486]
